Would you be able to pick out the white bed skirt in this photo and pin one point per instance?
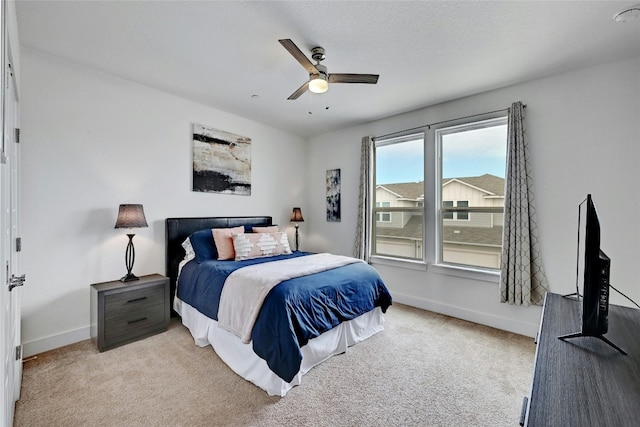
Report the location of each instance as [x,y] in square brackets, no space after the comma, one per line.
[243,361]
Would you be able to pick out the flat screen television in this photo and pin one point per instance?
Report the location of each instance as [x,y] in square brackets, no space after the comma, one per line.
[592,276]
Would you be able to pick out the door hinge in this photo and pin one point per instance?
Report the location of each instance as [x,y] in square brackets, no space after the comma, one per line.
[18,244]
[15,282]
[18,352]
[17,131]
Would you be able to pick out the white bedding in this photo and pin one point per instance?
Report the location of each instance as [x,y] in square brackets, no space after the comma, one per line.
[243,361]
[246,288]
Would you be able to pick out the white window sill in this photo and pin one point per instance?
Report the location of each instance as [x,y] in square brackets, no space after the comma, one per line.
[467,272]
[397,262]
[490,276]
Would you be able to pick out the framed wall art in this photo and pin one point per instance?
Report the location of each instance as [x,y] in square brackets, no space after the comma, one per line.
[221,161]
[333,195]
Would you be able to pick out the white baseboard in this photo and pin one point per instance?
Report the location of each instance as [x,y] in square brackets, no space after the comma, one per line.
[528,329]
[507,324]
[56,341]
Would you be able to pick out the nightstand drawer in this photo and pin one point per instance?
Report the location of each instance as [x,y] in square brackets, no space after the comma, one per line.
[120,303]
[131,325]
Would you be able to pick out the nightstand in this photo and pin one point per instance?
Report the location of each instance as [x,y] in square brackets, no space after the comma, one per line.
[125,312]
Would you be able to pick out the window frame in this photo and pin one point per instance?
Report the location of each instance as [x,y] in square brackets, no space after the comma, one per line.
[431,220]
[375,210]
[476,122]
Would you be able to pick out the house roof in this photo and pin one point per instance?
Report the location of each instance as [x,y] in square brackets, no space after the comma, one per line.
[412,230]
[494,185]
[486,236]
[490,184]
[406,190]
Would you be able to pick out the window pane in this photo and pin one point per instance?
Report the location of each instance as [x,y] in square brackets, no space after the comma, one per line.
[447,204]
[472,175]
[400,241]
[463,216]
[399,183]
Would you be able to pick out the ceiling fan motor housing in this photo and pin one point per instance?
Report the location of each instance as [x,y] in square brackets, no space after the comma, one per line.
[322,72]
[317,53]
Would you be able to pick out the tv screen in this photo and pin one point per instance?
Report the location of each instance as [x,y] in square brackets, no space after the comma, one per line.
[593,272]
[592,276]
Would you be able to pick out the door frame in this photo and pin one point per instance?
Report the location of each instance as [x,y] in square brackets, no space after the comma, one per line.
[10,334]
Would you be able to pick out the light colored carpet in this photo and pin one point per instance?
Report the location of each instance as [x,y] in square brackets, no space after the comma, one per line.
[425,369]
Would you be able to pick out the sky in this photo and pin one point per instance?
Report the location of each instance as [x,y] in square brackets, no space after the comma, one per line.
[470,153]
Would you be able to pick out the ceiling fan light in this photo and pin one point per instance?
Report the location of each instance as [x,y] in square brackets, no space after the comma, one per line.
[319,84]
[629,14]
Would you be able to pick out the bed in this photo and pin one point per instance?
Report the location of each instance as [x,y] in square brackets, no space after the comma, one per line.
[312,306]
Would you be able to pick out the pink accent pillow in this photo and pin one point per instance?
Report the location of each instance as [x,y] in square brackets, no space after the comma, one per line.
[268,229]
[224,241]
[257,245]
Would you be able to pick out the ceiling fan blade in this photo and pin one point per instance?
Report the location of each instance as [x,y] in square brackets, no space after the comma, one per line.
[300,57]
[302,89]
[353,78]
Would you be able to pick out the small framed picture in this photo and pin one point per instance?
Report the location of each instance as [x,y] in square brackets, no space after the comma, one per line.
[333,195]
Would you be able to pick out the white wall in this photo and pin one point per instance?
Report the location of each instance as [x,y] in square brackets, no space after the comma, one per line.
[90,142]
[583,129]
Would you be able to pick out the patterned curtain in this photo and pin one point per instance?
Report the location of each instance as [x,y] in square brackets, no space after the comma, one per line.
[363,228]
[522,279]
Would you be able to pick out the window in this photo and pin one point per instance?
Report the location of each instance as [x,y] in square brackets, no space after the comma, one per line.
[470,193]
[462,215]
[398,229]
[383,216]
[447,214]
[458,215]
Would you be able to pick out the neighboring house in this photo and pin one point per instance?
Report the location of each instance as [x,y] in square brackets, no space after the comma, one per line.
[399,233]
[469,238]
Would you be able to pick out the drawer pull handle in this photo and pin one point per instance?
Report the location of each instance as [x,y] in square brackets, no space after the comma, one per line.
[142,319]
[136,299]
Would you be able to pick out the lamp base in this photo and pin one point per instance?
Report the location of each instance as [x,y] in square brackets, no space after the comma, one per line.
[130,277]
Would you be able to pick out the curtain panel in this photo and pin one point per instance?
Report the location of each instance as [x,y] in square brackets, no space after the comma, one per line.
[522,278]
[363,227]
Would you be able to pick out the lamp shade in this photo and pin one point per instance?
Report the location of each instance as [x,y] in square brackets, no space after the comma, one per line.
[296,215]
[131,216]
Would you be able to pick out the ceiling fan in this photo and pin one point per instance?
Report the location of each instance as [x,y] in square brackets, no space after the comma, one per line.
[319,78]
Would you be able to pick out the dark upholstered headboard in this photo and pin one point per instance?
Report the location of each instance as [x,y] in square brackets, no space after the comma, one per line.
[178,229]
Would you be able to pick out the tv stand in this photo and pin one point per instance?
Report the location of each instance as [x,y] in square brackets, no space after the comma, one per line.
[580,334]
[575,294]
[588,384]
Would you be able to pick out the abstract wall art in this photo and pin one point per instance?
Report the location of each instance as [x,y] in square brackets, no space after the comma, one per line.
[221,161]
[333,195]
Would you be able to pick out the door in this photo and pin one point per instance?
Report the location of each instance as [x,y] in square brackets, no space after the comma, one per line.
[10,350]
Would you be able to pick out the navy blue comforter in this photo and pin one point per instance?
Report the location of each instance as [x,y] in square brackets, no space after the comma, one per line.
[294,311]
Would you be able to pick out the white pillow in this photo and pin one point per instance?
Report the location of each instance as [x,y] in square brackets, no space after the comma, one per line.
[258,245]
[189,253]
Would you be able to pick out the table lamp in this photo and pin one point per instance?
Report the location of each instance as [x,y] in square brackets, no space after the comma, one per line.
[296,217]
[130,216]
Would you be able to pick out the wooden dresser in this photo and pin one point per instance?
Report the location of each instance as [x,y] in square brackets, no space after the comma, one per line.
[126,312]
[583,381]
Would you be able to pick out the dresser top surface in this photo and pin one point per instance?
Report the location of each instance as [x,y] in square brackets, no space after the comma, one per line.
[125,286]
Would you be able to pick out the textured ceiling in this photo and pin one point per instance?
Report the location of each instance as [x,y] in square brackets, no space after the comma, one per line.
[223,53]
